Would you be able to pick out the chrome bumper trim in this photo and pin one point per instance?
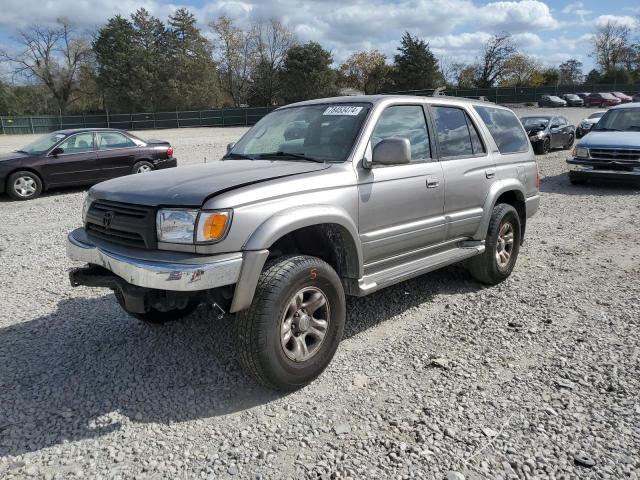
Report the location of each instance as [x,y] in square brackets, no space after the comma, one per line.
[588,169]
[203,274]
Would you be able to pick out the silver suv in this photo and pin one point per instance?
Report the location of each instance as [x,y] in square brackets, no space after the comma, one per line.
[319,199]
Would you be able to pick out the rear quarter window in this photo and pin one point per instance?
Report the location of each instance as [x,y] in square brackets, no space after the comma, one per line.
[505,128]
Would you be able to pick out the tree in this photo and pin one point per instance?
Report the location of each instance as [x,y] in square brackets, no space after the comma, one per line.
[570,72]
[610,43]
[236,58]
[53,57]
[463,75]
[415,65]
[307,73]
[520,70]
[593,77]
[492,63]
[192,77]
[551,76]
[365,71]
[272,41]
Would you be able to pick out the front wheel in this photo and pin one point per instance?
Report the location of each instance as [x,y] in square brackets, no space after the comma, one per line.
[569,143]
[292,329]
[502,245]
[543,147]
[24,185]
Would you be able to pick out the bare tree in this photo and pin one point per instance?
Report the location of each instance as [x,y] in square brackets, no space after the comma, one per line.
[272,41]
[521,69]
[235,54]
[495,54]
[364,71]
[571,72]
[53,56]
[610,44]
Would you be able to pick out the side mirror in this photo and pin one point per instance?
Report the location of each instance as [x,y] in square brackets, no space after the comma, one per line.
[392,151]
[57,151]
[230,146]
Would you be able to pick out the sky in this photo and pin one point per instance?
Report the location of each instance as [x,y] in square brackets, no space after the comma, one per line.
[551,30]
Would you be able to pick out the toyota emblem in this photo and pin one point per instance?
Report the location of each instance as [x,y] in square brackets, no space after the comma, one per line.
[107,219]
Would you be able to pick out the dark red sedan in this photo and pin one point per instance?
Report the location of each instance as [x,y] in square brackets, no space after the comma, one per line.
[624,98]
[79,157]
[601,100]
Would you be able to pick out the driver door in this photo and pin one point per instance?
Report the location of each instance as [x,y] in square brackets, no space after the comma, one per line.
[401,206]
[75,164]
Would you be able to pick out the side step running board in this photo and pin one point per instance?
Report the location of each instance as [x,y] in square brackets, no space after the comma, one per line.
[375,281]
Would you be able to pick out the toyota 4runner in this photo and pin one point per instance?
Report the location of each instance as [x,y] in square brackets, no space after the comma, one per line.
[319,199]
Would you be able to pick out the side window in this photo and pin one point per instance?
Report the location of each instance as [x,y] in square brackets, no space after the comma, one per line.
[107,140]
[505,129]
[404,121]
[562,121]
[82,142]
[457,136]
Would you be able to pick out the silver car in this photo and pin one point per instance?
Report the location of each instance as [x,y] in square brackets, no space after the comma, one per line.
[320,199]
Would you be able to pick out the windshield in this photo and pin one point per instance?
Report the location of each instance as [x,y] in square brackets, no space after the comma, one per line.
[532,122]
[42,144]
[554,98]
[316,132]
[623,120]
[608,96]
[571,96]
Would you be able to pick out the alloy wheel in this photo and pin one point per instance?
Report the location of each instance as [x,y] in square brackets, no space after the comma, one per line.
[304,324]
[504,245]
[25,186]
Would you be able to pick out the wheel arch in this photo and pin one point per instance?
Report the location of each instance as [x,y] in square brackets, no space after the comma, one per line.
[510,192]
[27,169]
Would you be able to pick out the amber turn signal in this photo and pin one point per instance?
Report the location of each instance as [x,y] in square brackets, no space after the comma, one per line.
[214,225]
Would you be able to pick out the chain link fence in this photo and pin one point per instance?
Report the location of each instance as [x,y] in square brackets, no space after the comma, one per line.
[221,117]
[234,117]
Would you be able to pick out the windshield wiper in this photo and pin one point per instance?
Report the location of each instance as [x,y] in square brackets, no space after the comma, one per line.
[288,155]
[238,156]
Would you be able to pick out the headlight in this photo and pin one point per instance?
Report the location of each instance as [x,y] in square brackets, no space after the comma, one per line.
[85,207]
[192,226]
[584,124]
[176,226]
[581,152]
[537,135]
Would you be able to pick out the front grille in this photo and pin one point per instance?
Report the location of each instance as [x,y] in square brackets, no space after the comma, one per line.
[122,223]
[629,155]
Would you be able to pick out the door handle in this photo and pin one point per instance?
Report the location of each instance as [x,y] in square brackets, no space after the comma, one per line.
[433,182]
[490,173]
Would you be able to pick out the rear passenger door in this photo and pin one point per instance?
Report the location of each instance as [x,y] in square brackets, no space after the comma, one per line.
[469,170]
[116,155]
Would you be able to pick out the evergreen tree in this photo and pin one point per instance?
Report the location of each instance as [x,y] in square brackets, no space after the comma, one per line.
[416,66]
[307,73]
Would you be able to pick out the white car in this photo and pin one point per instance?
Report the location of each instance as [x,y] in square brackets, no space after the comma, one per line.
[587,123]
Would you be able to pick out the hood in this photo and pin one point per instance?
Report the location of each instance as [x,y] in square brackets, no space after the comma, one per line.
[190,186]
[12,156]
[597,139]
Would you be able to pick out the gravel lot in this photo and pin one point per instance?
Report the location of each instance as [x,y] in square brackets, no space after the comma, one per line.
[436,378]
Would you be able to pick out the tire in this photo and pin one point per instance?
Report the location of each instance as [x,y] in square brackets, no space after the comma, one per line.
[485,267]
[24,185]
[261,332]
[142,166]
[569,144]
[158,317]
[543,147]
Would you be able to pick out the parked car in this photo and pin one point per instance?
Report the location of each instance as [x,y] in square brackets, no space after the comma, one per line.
[611,150]
[624,98]
[636,97]
[280,230]
[79,157]
[551,101]
[587,124]
[583,95]
[547,132]
[601,100]
[573,100]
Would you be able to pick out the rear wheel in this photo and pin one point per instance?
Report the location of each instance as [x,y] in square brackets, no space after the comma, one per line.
[142,167]
[291,331]
[24,185]
[502,245]
[569,143]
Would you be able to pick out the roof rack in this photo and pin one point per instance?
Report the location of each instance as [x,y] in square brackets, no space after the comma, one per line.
[424,92]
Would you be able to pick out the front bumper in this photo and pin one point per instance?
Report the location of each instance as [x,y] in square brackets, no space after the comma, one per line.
[171,271]
[580,169]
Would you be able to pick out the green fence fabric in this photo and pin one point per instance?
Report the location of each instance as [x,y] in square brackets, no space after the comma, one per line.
[219,117]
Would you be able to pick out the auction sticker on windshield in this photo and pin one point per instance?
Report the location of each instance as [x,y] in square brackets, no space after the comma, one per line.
[342,110]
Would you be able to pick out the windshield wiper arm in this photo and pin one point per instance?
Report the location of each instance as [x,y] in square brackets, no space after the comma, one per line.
[238,156]
[285,155]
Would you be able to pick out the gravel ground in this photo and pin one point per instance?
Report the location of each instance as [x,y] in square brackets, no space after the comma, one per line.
[438,377]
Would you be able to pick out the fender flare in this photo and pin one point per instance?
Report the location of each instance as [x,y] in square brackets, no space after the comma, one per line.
[497,189]
[291,219]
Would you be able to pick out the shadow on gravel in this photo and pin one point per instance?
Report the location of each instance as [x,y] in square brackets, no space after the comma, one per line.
[560,184]
[78,372]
